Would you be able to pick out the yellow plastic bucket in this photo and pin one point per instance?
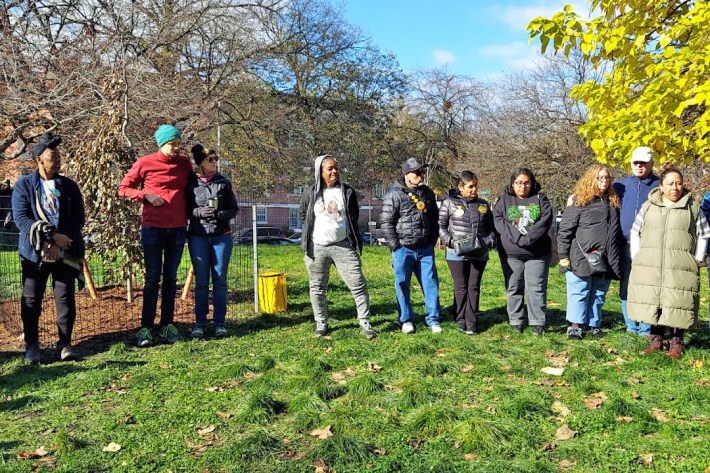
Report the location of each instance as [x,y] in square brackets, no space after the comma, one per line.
[272,292]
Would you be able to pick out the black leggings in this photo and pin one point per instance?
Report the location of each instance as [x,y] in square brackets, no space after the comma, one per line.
[34,283]
[467,290]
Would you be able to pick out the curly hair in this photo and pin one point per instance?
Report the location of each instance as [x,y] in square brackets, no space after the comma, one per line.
[586,188]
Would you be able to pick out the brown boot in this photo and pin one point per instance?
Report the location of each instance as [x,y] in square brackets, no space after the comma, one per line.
[656,343]
[675,349]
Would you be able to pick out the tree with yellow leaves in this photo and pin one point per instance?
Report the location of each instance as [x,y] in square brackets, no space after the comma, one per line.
[656,90]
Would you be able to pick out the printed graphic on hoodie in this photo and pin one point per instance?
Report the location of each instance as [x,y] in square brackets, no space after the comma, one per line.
[523,217]
[330,225]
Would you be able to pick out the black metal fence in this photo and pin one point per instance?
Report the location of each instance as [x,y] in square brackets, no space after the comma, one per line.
[111,311]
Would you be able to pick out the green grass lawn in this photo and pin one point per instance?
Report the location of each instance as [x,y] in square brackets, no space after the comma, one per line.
[273,398]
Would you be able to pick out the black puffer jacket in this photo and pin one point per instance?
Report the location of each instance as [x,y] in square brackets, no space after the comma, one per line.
[198,194]
[460,218]
[405,225]
[593,226]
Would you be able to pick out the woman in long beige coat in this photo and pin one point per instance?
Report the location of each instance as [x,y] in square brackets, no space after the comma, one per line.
[668,243]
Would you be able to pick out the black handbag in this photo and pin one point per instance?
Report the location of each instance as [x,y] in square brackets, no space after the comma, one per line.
[595,260]
[467,247]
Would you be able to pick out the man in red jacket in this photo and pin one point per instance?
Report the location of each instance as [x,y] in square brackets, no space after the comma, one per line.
[158,181]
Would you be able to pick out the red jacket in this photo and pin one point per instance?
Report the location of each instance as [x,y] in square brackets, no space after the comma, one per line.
[165,177]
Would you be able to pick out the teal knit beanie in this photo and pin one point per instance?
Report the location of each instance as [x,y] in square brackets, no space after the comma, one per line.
[165,134]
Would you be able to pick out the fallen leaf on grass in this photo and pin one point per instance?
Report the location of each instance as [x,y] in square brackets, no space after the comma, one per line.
[596,400]
[127,420]
[389,387]
[214,389]
[635,395]
[328,350]
[467,369]
[293,455]
[558,360]
[553,371]
[548,447]
[165,366]
[561,409]
[224,415]
[321,467]
[39,453]
[491,409]
[380,451]
[206,430]
[660,415]
[442,351]
[126,377]
[470,456]
[565,433]
[112,447]
[47,432]
[373,367]
[647,459]
[341,375]
[564,464]
[545,382]
[698,364]
[323,433]
[250,375]
[415,443]
[625,419]
[612,351]
[703,383]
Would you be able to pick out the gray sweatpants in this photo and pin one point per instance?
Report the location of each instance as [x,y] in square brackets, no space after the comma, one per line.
[347,262]
[529,278]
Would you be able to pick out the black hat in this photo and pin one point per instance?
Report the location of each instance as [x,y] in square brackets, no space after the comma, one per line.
[46,141]
[412,165]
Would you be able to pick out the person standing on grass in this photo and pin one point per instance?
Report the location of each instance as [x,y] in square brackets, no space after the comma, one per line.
[633,192]
[409,222]
[49,210]
[158,181]
[463,215]
[668,245]
[523,216]
[329,210]
[211,204]
[589,224]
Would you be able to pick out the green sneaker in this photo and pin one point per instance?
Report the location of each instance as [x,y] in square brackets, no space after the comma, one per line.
[220,331]
[144,338]
[169,334]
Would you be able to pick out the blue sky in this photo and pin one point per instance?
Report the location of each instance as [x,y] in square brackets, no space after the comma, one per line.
[476,38]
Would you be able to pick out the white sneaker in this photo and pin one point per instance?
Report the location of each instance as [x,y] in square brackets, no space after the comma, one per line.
[407,327]
[436,328]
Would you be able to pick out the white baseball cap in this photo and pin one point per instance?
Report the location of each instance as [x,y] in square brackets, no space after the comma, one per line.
[642,154]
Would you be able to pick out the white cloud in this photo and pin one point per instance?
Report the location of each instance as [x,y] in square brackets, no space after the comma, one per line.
[518,17]
[443,57]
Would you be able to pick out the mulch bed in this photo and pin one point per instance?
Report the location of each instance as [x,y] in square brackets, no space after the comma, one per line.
[110,313]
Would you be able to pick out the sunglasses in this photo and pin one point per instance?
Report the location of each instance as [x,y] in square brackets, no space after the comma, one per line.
[212,159]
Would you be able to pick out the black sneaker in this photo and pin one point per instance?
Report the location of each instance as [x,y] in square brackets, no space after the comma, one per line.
[538,330]
[517,328]
[32,354]
[597,332]
[574,333]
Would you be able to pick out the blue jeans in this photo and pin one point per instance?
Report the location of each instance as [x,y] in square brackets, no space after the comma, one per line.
[162,252]
[585,298]
[210,255]
[419,261]
[632,326]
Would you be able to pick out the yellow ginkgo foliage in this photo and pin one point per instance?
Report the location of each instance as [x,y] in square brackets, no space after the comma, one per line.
[656,91]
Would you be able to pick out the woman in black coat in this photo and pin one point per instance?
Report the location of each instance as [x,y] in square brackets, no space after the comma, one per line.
[462,216]
[590,225]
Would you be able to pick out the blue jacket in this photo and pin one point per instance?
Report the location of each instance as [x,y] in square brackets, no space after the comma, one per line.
[71,213]
[633,192]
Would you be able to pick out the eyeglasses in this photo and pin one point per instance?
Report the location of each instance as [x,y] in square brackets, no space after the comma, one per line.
[213,159]
[521,184]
